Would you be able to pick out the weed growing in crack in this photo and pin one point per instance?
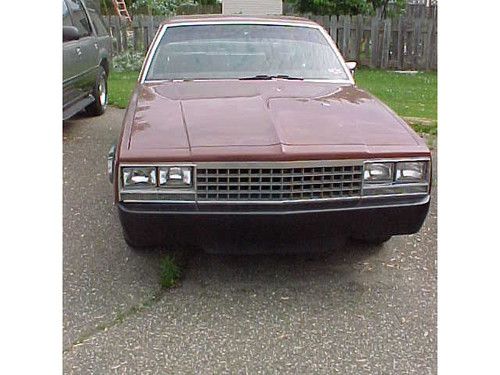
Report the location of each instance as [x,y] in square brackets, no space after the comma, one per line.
[170,272]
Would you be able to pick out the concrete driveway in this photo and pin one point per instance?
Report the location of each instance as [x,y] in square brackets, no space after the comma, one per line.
[362,310]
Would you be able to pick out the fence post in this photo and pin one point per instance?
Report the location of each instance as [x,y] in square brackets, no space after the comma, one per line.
[107,23]
[144,33]
[359,37]
[346,36]
[374,40]
[435,47]
[325,22]
[150,30]
[158,21]
[416,42]
[400,46]
[136,28]
[333,28]
[386,42]
[428,43]
[366,40]
[124,30]
[118,33]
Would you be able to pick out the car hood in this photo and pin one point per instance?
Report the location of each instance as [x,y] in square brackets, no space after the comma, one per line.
[204,117]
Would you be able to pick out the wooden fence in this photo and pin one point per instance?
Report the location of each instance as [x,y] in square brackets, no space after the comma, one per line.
[406,42]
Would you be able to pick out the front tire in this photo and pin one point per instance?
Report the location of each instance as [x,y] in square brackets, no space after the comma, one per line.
[100,93]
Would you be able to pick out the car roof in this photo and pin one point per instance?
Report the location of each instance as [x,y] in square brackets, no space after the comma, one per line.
[207,18]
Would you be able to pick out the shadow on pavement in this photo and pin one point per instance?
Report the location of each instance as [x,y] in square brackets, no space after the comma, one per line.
[267,269]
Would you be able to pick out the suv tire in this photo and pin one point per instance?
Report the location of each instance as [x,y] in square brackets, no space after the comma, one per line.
[100,93]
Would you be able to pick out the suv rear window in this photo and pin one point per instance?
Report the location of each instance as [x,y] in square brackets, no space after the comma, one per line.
[80,20]
[66,16]
[100,28]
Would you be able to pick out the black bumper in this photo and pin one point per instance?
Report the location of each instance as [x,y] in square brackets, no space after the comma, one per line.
[247,228]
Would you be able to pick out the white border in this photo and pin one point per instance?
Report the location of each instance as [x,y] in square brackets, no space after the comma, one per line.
[32,263]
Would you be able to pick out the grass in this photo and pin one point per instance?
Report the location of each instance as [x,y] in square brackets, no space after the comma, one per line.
[170,272]
[412,96]
[409,95]
[120,87]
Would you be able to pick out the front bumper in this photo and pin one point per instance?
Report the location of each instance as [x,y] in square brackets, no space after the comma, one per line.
[219,227]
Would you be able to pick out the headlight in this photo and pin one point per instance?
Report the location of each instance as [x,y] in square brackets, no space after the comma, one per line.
[139,177]
[396,177]
[378,173]
[175,177]
[161,183]
[415,171]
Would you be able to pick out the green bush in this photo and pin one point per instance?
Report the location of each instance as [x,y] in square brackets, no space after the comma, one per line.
[158,7]
[128,61]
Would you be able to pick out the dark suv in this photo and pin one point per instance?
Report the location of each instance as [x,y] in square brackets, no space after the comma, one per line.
[86,59]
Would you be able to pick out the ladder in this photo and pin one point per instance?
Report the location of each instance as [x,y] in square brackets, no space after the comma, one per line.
[121,9]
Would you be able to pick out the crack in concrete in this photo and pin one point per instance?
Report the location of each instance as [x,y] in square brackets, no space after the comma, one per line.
[154,297]
[147,303]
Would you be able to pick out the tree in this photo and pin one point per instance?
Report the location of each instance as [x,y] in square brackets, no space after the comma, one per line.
[350,7]
[158,7]
[155,7]
[108,8]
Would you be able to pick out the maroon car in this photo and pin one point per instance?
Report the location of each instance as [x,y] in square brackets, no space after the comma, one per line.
[249,134]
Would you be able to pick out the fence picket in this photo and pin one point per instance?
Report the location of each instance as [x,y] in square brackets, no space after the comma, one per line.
[386,42]
[428,44]
[374,41]
[145,32]
[118,34]
[400,43]
[124,32]
[333,28]
[359,37]
[416,42]
[346,36]
[150,30]
[136,29]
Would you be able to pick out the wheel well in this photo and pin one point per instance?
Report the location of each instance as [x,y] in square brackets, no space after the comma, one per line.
[105,65]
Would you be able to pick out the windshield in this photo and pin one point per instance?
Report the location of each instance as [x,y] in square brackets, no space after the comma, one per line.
[231,51]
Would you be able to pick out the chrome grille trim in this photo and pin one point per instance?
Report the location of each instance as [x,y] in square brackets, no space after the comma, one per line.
[279,181]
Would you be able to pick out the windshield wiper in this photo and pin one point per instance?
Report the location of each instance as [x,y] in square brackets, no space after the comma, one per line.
[268,77]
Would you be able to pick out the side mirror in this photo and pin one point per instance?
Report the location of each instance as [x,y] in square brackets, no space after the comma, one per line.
[351,65]
[70,33]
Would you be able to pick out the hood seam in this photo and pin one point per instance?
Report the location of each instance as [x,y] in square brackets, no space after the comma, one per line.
[185,125]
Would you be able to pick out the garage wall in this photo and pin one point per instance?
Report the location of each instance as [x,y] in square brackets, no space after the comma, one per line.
[252,7]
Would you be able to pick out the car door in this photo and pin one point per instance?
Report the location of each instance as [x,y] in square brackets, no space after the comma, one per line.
[71,92]
[86,48]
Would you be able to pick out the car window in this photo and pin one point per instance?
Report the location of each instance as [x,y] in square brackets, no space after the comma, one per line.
[79,17]
[66,16]
[224,51]
[98,23]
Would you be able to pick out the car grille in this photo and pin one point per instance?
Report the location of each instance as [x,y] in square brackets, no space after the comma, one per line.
[290,183]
